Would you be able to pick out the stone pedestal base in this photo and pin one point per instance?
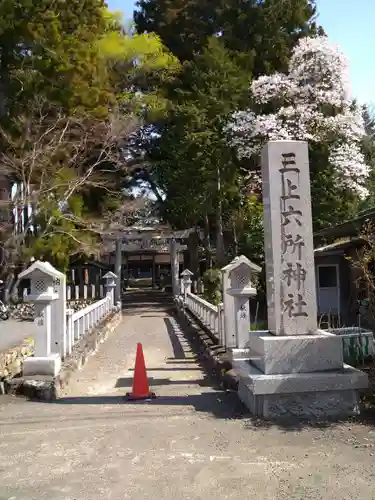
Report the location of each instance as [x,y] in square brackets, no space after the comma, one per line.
[296,353]
[308,405]
[38,365]
[319,395]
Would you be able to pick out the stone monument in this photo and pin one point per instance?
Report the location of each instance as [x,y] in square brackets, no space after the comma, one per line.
[294,368]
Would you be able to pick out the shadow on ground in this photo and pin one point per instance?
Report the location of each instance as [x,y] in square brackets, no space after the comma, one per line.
[154,382]
[219,404]
[177,339]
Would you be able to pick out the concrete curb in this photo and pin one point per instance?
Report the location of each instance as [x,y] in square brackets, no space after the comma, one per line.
[213,355]
[49,388]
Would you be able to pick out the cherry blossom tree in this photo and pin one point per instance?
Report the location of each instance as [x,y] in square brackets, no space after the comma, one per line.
[311,102]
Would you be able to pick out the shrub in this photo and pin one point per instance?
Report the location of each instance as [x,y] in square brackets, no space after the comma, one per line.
[212,286]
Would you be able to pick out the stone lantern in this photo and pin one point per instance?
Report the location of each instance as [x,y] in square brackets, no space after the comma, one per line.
[46,360]
[238,287]
[186,282]
[110,283]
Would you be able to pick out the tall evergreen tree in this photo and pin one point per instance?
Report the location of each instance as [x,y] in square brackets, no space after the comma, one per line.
[261,34]
[195,168]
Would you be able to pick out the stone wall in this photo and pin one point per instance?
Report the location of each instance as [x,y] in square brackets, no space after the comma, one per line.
[25,310]
[50,388]
[87,346]
[11,362]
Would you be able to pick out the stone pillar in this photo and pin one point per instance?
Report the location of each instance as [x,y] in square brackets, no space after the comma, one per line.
[175,265]
[193,251]
[59,331]
[290,270]
[294,369]
[118,269]
[229,335]
[43,322]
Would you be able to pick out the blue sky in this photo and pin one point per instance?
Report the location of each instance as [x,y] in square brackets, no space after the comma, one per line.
[348,23]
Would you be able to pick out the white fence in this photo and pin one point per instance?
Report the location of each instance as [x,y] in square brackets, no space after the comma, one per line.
[212,317]
[81,322]
[229,321]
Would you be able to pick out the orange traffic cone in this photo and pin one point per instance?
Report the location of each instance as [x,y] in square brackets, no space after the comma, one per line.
[141,388]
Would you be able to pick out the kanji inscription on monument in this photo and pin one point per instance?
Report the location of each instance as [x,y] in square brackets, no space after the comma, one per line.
[288,238]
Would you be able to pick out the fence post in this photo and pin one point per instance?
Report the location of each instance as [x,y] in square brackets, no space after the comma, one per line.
[70,331]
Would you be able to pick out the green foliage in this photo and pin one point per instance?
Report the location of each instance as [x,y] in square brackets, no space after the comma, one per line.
[249,222]
[332,202]
[70,55]
[199,174]
[49,50]
[75,86]
[60,243]
[369,152]
[184,26]
[262,34]
[191,146]
[259,34]
[212,280]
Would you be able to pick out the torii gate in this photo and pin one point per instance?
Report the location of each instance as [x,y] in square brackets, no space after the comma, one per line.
[147,238]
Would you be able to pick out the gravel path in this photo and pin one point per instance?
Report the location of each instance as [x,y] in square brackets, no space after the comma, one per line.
[192,442]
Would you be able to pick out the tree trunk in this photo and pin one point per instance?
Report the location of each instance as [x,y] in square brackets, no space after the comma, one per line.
[5,223]
[235,239]
[207,242]
[193,254]
[220,250]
